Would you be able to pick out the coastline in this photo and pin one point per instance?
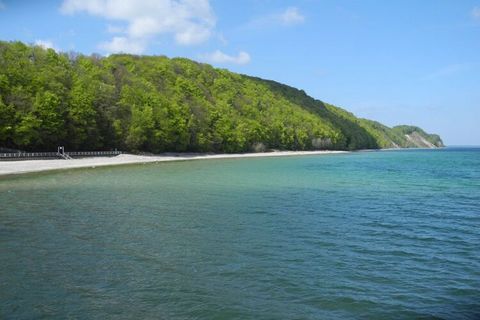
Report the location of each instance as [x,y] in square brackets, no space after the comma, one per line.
[8,168]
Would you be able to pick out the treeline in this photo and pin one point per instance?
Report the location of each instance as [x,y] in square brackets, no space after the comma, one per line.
[157,104]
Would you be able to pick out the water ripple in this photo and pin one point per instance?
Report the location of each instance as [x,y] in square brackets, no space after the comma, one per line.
[361,236]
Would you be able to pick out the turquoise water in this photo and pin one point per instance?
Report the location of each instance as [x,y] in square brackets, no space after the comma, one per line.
[368,235]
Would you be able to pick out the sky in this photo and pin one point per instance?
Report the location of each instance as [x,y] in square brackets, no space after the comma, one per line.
[397,61]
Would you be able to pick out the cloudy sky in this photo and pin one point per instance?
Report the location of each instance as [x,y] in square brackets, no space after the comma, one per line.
[398,62]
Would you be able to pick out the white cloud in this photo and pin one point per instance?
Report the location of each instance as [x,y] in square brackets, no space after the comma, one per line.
[222,39]
[190,22]
[288,17]
[222,58]
[291,16]
[46,44]
[2,5]
[476,13]
[123,45]
[115,29]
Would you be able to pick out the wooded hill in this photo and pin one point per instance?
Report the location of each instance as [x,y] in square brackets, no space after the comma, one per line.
[156,104]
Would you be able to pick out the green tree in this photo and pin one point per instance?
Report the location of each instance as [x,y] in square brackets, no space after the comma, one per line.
[47,111]
[7,124]
[82,116]
[27,135]
[141,128]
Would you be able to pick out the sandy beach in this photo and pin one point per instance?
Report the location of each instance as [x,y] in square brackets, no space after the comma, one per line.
[28,166]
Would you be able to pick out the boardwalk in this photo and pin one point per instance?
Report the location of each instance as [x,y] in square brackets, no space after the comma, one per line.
[57,155]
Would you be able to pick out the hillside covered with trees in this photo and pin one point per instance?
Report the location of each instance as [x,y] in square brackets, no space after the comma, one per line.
[156,104]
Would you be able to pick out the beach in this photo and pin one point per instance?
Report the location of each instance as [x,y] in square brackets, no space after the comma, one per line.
[29,166]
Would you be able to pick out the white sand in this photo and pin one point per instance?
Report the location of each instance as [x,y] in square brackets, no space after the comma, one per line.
[26,166]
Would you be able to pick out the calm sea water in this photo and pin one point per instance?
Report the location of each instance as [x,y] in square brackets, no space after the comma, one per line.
[368,235]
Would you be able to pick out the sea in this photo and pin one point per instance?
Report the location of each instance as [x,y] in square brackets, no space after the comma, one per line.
[361,235]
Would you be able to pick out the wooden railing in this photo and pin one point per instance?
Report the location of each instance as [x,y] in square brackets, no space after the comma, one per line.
[76,154]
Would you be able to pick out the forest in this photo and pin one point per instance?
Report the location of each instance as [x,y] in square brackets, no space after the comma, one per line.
[157,104]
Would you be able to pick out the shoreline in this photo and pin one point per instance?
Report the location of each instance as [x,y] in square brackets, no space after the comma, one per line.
[17,167]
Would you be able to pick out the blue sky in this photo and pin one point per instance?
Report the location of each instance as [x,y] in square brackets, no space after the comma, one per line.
[398,62]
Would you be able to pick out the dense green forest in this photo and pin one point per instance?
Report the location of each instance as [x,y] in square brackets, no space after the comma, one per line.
[156,104]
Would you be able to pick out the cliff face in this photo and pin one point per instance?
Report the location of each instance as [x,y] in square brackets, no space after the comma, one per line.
[157,104]
[417,138]
[419,141]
